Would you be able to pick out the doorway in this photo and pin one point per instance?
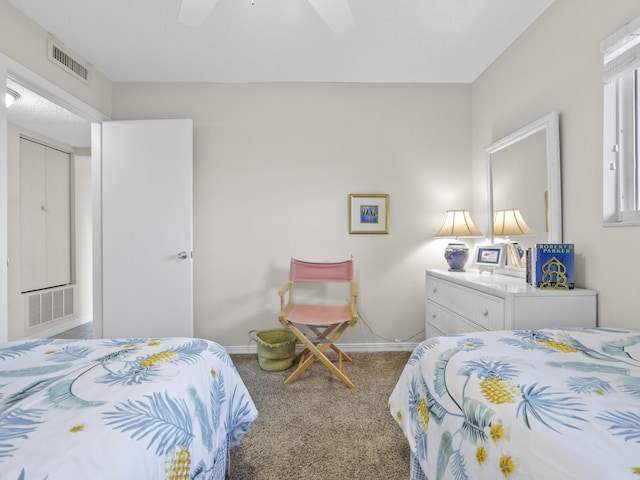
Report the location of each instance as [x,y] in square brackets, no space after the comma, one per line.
[44,112]
[90,188]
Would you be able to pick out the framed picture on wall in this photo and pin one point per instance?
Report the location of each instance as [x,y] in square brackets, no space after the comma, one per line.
[368,213]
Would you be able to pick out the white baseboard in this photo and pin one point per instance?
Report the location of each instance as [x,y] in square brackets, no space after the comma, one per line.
[347,347]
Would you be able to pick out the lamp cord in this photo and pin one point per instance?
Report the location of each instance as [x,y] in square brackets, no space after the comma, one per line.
[380,337]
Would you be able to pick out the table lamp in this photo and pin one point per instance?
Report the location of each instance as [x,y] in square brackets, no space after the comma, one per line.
[457,224]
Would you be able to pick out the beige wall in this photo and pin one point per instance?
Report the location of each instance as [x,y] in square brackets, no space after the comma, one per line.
[557,65]
[274,166]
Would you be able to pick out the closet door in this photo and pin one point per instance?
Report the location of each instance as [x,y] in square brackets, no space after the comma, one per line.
[33,223]
[45,216]
[58,218]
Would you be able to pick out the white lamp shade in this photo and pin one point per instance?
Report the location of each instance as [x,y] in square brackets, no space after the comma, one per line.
[458,223]
[509,222]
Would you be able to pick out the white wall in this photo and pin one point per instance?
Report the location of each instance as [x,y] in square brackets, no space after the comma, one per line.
[557,65]
[84,237]
[4,248]
[274,166]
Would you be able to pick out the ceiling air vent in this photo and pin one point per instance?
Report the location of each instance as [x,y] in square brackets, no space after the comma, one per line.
[63,58]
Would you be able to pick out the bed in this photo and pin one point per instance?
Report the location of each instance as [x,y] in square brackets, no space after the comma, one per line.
[534,404]
[138,408]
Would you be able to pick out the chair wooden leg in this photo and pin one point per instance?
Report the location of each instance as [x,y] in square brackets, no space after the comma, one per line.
[340,353]
[303,361]
[334,337]
[317,353]
[338,373]
[302,366]
[301,355]
[319,337]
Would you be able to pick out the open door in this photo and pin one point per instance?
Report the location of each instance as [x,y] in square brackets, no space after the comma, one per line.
[143,268]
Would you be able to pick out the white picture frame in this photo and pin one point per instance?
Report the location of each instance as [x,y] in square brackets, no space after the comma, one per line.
[490,256]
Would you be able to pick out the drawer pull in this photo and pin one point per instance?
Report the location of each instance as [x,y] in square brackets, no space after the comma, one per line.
[435,290]
[485,312]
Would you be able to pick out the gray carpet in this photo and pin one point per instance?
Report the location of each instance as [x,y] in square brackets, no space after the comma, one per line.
[317,428]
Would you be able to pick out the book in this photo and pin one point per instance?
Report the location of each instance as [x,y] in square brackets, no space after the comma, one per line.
[552,266]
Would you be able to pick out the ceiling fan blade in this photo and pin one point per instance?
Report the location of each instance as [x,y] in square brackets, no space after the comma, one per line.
[336,14]
[193,13]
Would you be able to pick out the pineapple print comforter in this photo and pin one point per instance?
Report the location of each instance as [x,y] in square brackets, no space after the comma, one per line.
[137,408]
[536,404]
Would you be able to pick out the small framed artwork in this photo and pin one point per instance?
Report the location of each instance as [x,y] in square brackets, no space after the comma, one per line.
[490,257]
[368,213]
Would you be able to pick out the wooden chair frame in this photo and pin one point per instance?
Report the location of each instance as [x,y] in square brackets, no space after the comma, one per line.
[324,339]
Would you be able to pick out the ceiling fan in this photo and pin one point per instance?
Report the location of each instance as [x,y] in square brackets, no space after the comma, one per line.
[336,14]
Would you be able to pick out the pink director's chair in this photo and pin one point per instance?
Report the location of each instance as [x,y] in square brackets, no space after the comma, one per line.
[333,318]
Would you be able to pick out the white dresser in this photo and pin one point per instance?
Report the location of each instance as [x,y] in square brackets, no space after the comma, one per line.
[463,302]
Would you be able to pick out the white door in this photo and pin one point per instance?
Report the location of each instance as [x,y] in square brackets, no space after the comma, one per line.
[45,216]
[146,286]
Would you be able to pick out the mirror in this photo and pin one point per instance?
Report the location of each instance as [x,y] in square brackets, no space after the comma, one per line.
[523,173]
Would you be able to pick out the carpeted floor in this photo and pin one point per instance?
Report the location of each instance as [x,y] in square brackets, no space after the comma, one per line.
[317,428]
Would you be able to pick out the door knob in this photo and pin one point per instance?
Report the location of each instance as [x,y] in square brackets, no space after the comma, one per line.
[183,255]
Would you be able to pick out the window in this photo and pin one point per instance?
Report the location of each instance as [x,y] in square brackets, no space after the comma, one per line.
[621,152]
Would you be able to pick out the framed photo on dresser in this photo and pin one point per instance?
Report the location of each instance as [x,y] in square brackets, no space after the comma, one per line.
[489,257]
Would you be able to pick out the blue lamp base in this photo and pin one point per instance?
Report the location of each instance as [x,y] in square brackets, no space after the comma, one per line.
[456,255]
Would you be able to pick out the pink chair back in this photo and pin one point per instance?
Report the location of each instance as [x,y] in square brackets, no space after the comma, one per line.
[321,272]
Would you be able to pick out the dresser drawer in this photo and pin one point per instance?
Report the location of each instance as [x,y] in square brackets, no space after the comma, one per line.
[486,311]
[441,320]
[463,302]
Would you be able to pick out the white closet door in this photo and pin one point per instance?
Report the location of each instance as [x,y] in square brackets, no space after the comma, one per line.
[45,230]
[58,218]
[33,224]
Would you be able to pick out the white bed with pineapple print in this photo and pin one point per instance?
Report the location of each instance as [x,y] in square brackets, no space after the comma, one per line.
[137,408]
[536,404]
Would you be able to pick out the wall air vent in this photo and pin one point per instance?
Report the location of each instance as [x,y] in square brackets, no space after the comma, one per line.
[47,305]
[68,61]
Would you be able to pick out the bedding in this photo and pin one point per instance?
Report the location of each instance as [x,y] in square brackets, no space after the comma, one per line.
[138,408]
[534,404]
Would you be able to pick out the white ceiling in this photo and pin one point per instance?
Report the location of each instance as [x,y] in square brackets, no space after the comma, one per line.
[285,40]
[422,41]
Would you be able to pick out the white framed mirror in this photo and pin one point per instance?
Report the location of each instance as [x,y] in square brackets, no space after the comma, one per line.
[523,173]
